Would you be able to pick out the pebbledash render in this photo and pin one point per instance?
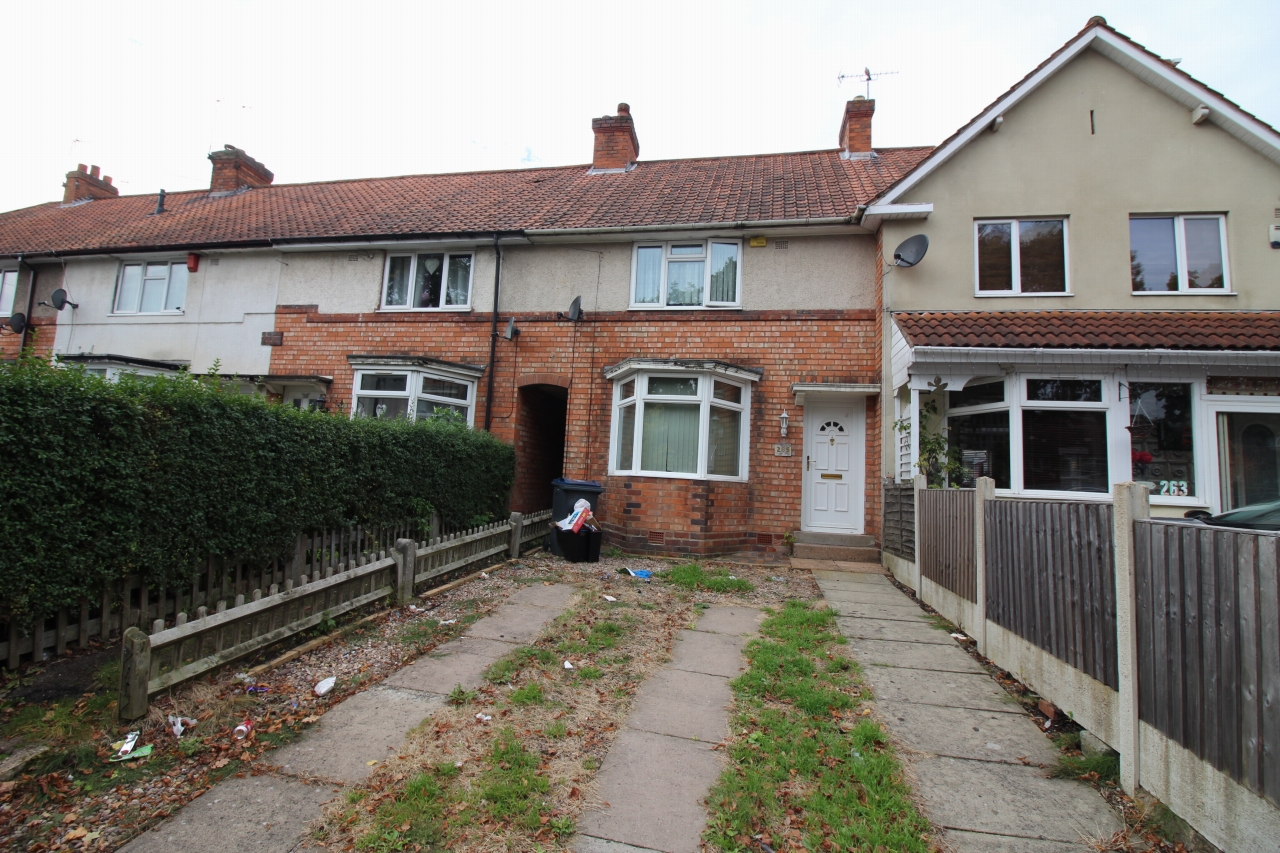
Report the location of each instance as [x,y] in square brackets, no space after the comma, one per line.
[718,371]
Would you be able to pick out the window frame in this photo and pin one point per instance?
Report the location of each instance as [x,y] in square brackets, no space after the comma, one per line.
[1180,255]
[444,279]
[1015,259]
[705,399]
[143,264]
[7,311]
[667,258]
[413,388]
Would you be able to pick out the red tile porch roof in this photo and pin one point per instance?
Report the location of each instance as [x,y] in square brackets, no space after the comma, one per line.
[1178,330]
[806,185]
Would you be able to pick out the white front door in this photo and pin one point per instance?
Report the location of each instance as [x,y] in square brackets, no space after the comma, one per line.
[834,454]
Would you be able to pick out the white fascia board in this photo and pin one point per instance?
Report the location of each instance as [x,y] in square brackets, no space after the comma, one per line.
[716,368]
[878,213]
[1138,62]
[801,389]
[929,358]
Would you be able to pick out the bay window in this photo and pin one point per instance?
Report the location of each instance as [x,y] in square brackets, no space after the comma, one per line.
[680,424]
[1160,437]
[394,391]
[1021,256]
[428,281]
[1064,436]
[978,426]
[691,274]
[154,287]
[1178,254]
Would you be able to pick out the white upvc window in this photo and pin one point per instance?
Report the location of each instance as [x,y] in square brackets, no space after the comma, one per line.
[691,425]
[428,281]
[151,287]
[1021,257]
[396,392]
[687,274]
[8,291]
[1179,254]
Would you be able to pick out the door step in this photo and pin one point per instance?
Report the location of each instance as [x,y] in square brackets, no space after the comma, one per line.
[848,540]
[844,553]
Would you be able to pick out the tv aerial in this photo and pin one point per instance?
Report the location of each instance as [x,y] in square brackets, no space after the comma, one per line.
[865,77]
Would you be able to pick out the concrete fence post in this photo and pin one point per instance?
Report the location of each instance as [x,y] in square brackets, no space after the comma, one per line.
[1130,503]
[985,490]
[921,483]
[434,533]
[517,529]
[135,672]
[406,557]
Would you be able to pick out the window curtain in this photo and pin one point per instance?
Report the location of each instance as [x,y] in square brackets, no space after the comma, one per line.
[459,280]
[648,274]
[723,448]
[626,437]
[724,272]
[670,440]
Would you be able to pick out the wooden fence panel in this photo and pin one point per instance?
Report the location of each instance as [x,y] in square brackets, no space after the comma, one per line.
[900,520]
[1209,645]
[947,555]
[1050,577]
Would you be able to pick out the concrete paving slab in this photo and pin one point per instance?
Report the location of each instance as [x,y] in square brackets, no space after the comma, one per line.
[683,704]
[556,596]
[1002,799]
[440,675]
[946,689]
[513,623]
[730,620]
[591,844]
[836,575]
[266,813]
[966,733]
[712,654]
[912,655]
[907,612]
[981,842]
[655,786]
[864,592]
[356,731]
[892,629]
[861,568]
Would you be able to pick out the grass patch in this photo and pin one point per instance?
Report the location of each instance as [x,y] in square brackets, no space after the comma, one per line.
[556,730]
[530,694]
[590,672]
[511,788]
[601,636]
[1161,820]
[414,819]
[501,671]
[804,772]
[69,720]
[1090,768]
[419,633]
[693,576]
[459,695]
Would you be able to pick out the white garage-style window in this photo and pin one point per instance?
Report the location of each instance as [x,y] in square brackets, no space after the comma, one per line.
[413,388]
[681,419]
[689,274]
[431,281]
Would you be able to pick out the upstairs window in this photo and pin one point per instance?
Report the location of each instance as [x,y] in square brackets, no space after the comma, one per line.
[151,288]
[1021,256]
[706,274]
[1178,254]
[8,291]
[430,281]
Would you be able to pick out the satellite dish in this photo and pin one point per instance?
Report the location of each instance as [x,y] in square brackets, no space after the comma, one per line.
[575,309]
[18,322]
[511,331]
[58,299]
[911,251]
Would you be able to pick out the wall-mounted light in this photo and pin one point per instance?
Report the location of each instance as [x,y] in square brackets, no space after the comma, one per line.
[784,418]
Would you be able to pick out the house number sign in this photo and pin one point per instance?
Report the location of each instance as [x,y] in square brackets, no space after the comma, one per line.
[782,450]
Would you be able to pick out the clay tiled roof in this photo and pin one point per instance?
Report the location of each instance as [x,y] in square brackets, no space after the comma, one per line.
[1177,330]
[809,185]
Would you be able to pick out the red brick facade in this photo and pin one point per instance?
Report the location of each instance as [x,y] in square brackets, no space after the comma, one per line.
[550,356]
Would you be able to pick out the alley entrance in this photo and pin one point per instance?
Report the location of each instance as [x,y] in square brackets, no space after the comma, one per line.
[540,430]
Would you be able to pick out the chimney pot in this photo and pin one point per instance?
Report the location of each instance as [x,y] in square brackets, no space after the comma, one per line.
[234,169]
[81,167]
[107,180]
[616,144]
[855,130]
[93,171]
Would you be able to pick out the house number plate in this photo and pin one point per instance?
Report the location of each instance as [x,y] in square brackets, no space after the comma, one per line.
[782,450]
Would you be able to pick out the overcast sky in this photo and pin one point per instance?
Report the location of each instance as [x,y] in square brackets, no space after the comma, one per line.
[322,91]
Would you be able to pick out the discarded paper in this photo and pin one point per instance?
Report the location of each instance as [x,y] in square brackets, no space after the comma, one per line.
[325,685]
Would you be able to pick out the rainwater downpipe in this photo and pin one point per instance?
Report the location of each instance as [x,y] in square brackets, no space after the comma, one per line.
[31,300]
[493,332]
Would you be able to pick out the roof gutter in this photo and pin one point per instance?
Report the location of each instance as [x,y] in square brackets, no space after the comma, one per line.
[738,225]
[1057,356]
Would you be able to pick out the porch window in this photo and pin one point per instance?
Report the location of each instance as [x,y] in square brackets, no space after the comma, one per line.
[705,274]
[151,288]
[1160,438]
[1064,436]
[1021,256]
[684,425]
[412,394]
[8,291]
[978,428]
[429,281]
[1249,458]
[1178,254]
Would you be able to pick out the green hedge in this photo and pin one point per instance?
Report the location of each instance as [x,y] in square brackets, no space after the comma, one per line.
[150,476]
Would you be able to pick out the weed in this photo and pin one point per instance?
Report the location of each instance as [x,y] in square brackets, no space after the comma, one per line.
[415,819]
[529,654]
[511,788]
[644,605]
[501,671]
[589,763]
[613,552]
[693,576]
[590,672]
[419,632]
[530,694]
[556,730]
[461,696]
[562,826]
[1093,768]
[1067,741]
[192,746]
[355,795]
[108,675]
[1163,822]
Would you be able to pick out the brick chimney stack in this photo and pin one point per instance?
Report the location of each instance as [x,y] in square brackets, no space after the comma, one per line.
[855,130]
[616,144]
[233,169]
[85,183]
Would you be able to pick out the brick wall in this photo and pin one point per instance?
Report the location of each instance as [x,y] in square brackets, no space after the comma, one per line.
[692,516]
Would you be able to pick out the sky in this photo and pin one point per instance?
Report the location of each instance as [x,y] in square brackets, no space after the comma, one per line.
[322,91]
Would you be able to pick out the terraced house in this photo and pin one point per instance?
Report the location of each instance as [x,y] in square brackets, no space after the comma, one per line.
[701,336]
[1098,301]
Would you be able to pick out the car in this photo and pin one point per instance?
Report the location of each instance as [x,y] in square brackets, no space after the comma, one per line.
[1263,516]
